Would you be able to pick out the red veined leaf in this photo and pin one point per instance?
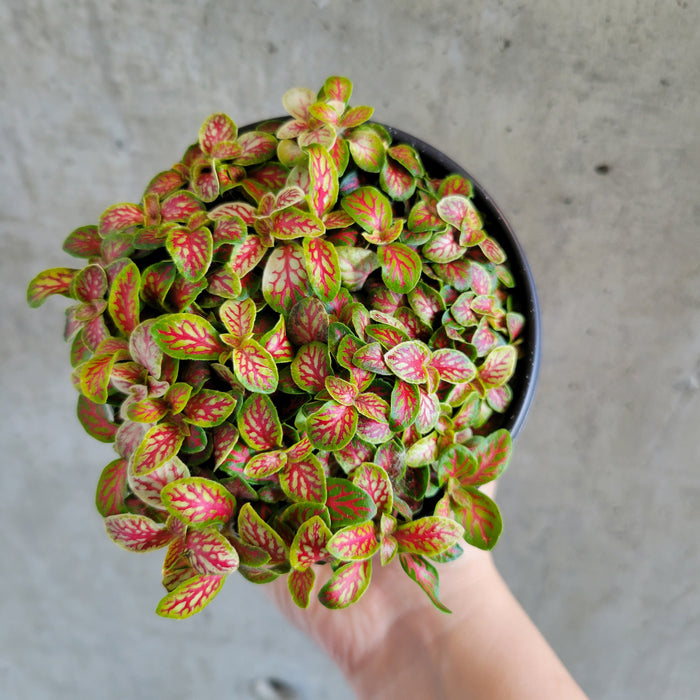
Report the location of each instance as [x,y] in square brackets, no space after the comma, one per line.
[354,116]
[248,554]
[238,316]
[156,280]
[347,585]
[443,248]
[455,184]
[354,454]
[177,396]
[137,533]
[129,437]
[372,406]
[388,336]
[455,273]
[332,426]
[297,102]
[498,366]
[499,398]
[423,451]
[428,536]
[111,488]
[346,349]
[95,375]
[179,206]
[340,390]
[369,208]
[146,411]
[311,366]
[425,575]
[284,279]
[426,303]
[149,486]
[514,323]
[233,210]
[191,251]
[209,552]
[57,280]
[462,310]
[277,344]
[486,306]
[304,480]
[409,361]
[209,408]
[388,548]
[164,183]
[254,530]
[143,348]
[428,412]
[372,479]
[256,147]
[348,504]
[366,148]
[337,88]
[423,217]
[96,420]
[323,179]
[183,293]
[195,441]
[89,284]
[375,432]
[118,217]
[405,401]
[457,463]
[297,514]
[190,597]
[454,366]
[371,358]
[492,455]
[216,128]
[124,298]
[354,543]
[187,337]
[479,516]
[396,181]
[492,250]
[323,267]
[294,223]
[265,464]
[255,367]
[309,545]
[84,242]
[356,265]
[224,437]
[453,208]
[160,443]
[259,424]
[484,338]
[300,584]
[246,256]
[307,322]
[408,157]
[198,502]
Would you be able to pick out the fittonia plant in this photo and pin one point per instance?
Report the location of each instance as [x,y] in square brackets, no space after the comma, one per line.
[295,342]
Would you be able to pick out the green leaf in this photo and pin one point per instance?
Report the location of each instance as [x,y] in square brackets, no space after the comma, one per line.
[354,543]
[369,208]
[348,504]
[254,530]
[209,408]
[401,267]
[301,584]
[366,148]
[425,575]
[479,516]
[309,545]
[216,129]
[428,536]
[96,420]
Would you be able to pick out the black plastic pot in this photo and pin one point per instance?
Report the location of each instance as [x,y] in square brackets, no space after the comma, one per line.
[525,295]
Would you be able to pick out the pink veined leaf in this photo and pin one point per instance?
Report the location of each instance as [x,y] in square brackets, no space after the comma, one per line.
[462,310]
[348,504]
[265,464]
[259,424]
[191,251]
[164,183]
[498,366]
[338,88]
[254,530]
[423,217]
[373,431]
[479,516]
[388,548]
[311,366]
[372,479]
[297,102]
[443,248]
[89,284]
[426,303]
[209,408]
[323,177]
[228,231]
[247,255]
[255,367]
[408,157]
[119,217]
[354,543]
[95,419]
[84,242]
[356,265]
[423,451]
[111,488]
[57,280]
[195,441]
[499,398]
[428,412]
[369,208]
[323,267]
[486,306]
[137,533]
[347,585]
[371,358]
[187,337]
[149,486]
[304,480]
[332,426]
[396,181]
[309,545]
[409,361]
[294,223]
[401,267]
[256,147]
[456,184]
[338,219]
[425,575]
[216,128]
[301,584]
[124,298]
[307,322]
[238,316]
[355,116]
[388,336]
[354,454]
[340,390]
[190,597]
[143,348]
[160,443]
[146,411]
[405,401]
[514,323]
[428,536]
[198,502]
[284,279]
[209,552]
[366,148]
[492,250]
[372,406]
[295,515]
[156,281]
[277,344]
[456,274]
[452,209]
[94,377]
[492,455]
[454,366]
[179,206]
[457,463]
[177,395]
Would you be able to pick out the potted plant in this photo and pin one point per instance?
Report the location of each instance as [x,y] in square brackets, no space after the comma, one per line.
[309,344]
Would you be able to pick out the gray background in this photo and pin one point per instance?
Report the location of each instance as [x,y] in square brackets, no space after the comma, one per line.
[602,500]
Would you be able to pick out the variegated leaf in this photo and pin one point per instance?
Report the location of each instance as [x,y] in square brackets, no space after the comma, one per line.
[323,177]
[366,148]
[149,486]
[160,443]
[119,217]
[311,366]
[275,341]
[425,575]
[498,366]
[354,543]
[191,251]
[238,317]
[323,267]
[423,451]
[84,242]
[309,545]
[428,412]
[332,426]
[304,480]
[256,147]
[209,408]
[479,516]
[371,358]
[374,480]
[190,597]
[454,366]
[209,552]
[96,419]
[373,431]
[284,279]
[265,464]
[137,533]
[293,223]
[307,322]
[254,530]
[409,361]
[216,128]
[428,536]
[492,454]
[373,407]
[111,488]
[340,390]
[187,337]
[259,424]
[301,584]
[369,208]
[94,377]
[198,502]
[348,504]
[356,265]
[54,281]
[255,367]
[347,585]
[405,401]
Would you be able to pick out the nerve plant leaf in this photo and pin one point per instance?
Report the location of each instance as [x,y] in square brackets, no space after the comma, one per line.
[137,533]
[198,502]
[348,504]
[425,575]
[187,337]
[190,597]
[347,585]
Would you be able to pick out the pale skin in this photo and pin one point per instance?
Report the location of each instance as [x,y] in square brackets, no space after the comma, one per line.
[394,644]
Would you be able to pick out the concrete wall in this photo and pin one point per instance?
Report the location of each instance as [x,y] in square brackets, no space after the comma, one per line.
[580,118]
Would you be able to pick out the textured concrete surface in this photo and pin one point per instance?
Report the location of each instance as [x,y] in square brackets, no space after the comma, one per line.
[581,119]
